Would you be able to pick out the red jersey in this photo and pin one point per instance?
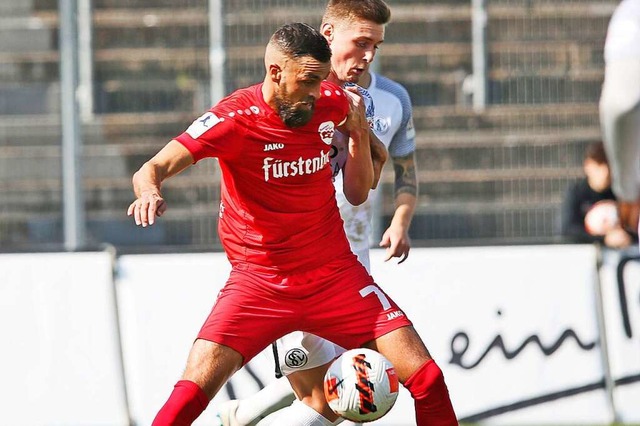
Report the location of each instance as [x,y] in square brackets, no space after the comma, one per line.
[278,209]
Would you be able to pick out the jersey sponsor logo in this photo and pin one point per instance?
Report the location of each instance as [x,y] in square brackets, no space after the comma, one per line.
[273,146]
[202,124]
[394,315]
[278,169]
[326,131]
[295,358]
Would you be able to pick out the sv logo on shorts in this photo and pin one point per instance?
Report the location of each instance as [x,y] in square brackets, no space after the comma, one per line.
[295,358]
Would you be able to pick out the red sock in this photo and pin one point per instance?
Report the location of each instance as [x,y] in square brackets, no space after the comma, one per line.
[433,406]
[186,403]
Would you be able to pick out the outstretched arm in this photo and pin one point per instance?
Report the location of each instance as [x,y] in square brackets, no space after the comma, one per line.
[379,156]
[396,237]
[149,203]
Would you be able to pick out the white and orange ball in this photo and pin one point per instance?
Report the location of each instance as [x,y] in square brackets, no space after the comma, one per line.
[361,385]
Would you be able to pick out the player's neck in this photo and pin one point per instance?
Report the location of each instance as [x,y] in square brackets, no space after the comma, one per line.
[365,80]
[333,78]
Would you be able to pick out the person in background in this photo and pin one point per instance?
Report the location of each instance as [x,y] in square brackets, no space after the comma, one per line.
[620,109]
[589,212]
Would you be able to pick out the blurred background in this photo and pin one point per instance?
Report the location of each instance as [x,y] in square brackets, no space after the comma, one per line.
[505,99]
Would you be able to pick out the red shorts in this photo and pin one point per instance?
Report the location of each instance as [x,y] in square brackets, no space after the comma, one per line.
[338,301]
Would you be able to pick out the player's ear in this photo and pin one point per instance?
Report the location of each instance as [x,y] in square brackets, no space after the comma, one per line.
[275,73]
[327,31]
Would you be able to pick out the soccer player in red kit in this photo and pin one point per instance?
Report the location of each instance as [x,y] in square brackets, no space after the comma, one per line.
[292,268]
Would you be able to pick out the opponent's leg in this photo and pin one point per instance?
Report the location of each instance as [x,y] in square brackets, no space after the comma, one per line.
[309,387]
[297,414]
[249,411]
[419,373]
[209,366]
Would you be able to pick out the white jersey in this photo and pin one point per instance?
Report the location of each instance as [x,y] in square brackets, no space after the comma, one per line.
[623,33]
[620,100]
[393,125]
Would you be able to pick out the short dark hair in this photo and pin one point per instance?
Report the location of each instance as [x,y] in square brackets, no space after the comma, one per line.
[596,152]
[348,10]
[298,39]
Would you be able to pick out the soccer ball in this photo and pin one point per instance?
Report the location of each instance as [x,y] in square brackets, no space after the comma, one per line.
[361,385]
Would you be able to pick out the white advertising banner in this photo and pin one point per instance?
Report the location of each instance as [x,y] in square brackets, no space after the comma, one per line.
[60,360]
[513,328]
[164,300]
[620,280]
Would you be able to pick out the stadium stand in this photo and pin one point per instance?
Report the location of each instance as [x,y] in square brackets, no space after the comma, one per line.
[491,177]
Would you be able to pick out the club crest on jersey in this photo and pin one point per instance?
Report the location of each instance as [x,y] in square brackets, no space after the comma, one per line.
[326,131]
[295,358]
[202,124]
[380,125]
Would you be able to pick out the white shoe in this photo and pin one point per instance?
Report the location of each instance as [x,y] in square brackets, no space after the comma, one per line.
[227,413]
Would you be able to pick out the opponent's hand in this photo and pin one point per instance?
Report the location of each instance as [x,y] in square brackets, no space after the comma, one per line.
[147,207]
[397,243]
[629,215]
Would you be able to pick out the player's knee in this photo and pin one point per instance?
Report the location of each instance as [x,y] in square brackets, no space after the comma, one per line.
[425,379]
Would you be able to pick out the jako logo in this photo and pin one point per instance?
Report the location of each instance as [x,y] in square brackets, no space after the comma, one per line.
[394,314]
[326,130]
[273,146]
[277,169]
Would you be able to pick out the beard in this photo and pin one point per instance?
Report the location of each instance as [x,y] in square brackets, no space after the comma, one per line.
[290,115]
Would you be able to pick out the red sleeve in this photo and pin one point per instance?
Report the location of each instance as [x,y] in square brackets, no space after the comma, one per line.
[213,134]
[339,103]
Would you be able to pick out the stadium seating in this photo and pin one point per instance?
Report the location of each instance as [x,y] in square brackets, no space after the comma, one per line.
[491,176]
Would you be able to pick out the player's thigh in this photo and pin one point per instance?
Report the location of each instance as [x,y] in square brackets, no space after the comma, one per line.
[210,365]
[404,348]
[310,382]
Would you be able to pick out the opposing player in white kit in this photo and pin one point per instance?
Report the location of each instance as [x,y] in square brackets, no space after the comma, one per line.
[303,357]
[620,109]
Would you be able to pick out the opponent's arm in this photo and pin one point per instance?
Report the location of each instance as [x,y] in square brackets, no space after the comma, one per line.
[396,237]
[379,156]
[358,168]
[149,203]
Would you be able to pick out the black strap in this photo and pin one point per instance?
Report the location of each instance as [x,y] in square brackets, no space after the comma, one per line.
[277,359]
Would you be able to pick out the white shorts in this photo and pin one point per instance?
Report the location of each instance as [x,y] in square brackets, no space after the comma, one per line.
[300,351]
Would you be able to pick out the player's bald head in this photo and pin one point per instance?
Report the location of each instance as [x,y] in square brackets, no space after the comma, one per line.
[294,41]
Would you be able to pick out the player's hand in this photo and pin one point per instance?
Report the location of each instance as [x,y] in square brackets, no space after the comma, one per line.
[629,215]
[397,243]
[147,207]
[356,119]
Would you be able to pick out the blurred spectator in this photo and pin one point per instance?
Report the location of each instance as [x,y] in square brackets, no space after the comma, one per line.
[589,208]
